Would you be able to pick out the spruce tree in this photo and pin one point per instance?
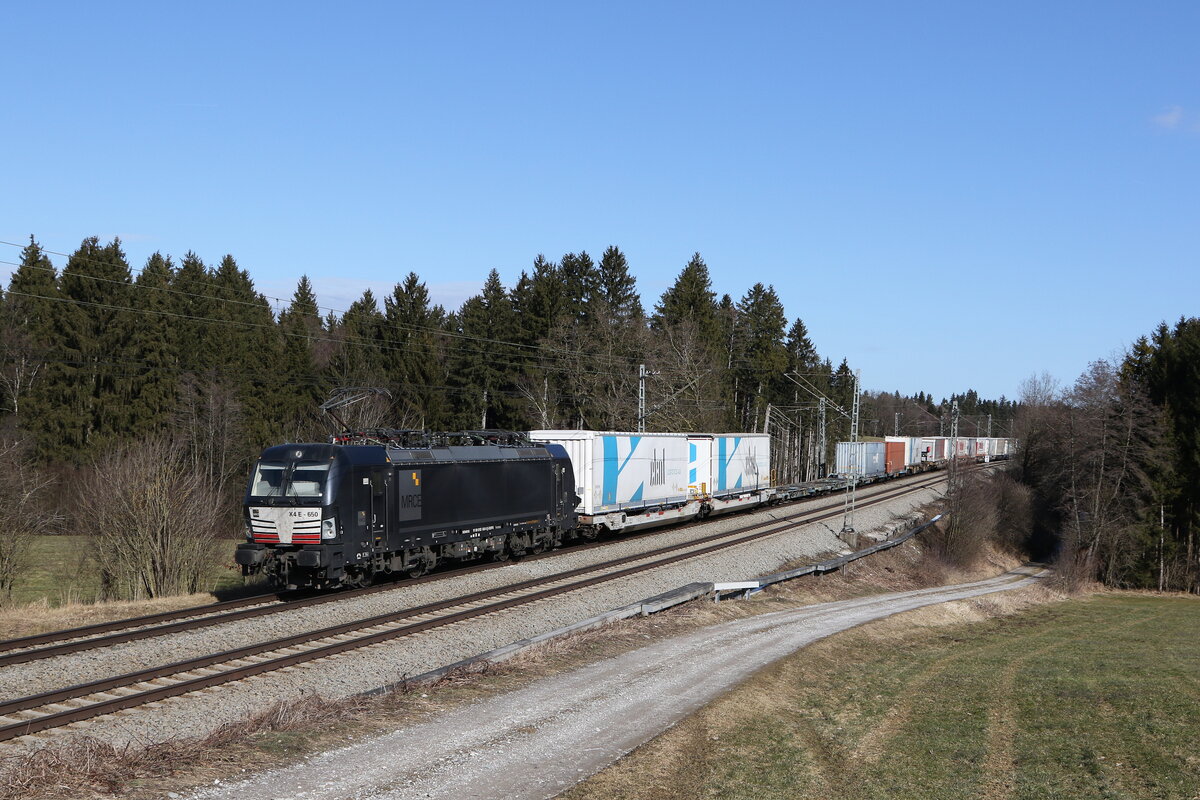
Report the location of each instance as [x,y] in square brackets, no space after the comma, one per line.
[544,303]
[358,359]
[248,342]
[802,354]
[28,332]
[692,299]
[302,388]
[580,282]
[153,388]
[413,354]
[96,324]
[762,354]
[194,305]
[618,288]
[484,361]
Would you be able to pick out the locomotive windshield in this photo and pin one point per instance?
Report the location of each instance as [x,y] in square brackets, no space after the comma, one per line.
[304,479]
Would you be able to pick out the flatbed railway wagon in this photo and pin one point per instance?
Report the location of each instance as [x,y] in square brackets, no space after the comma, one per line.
[627,481]
[730,471]
[864,459]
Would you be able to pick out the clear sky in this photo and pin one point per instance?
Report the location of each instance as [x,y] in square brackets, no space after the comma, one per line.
[952,195]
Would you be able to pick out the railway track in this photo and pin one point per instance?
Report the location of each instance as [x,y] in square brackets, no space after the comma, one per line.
[52,709]
[104,634]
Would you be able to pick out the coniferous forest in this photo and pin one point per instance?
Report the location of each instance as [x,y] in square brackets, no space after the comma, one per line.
[178,373]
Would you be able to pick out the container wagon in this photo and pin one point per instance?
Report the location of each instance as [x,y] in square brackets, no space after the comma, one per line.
[864,459]
[729,471]
[627,480]
[896,454]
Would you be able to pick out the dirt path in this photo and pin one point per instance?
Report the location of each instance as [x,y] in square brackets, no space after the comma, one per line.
[539,740]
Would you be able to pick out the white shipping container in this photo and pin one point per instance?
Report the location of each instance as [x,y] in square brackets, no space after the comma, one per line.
[932,449]
[862,458]
[624,471]
[700,464]
[911,448]
[724,464]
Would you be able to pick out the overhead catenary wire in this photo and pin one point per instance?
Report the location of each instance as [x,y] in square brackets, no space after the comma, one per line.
[134,368]
[333,339]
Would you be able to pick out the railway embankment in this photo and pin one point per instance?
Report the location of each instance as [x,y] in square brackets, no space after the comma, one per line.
[390,663]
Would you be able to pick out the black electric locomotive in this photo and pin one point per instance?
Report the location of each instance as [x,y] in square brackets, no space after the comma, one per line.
[326,515]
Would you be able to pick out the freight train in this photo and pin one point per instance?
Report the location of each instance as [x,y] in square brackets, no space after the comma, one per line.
[381,502]
[898,455]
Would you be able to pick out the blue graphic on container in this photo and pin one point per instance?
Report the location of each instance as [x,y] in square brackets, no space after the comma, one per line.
[692,461]
[613,467]
[723,462]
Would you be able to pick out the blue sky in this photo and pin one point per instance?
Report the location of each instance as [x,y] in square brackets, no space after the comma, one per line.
[950,195]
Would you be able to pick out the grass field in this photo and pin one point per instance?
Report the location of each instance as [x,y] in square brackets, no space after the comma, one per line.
[62,569]
[1091,698]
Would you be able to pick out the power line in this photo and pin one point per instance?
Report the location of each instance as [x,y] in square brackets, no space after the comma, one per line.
[356,341]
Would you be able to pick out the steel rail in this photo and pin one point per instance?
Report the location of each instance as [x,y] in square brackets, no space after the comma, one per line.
[65,717]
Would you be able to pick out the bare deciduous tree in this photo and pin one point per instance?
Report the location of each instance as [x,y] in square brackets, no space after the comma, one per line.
[210,420]
[20,365]
[600,360]
[1103,438]
[972,518]
[21,495]
[541,404]
[686,390]
[153,519]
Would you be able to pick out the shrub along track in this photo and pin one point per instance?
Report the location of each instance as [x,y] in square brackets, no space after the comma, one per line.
[104,634]
[56,708]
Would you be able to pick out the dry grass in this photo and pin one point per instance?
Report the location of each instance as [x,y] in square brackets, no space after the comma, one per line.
[679,764]
[1026,694]
[88,767]
[83,767]
[42,617]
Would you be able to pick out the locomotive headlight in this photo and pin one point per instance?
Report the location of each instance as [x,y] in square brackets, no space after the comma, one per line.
[249,533]
[329,529]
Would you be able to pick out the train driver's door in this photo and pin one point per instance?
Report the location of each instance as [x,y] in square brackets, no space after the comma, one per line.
[379,509]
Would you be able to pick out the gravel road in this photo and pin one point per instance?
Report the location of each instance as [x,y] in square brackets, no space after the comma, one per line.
[537,741]
[369,668]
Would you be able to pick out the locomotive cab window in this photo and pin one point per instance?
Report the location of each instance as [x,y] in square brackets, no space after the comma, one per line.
[308,479]
[268,479]
[290,479]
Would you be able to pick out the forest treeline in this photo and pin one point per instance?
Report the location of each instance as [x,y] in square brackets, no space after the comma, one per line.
[171,378]
[100,360]
[95,357]
[1114,461]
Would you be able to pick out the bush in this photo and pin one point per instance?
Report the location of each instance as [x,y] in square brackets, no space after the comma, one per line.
[21,493]
[154,521]
[972,516]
